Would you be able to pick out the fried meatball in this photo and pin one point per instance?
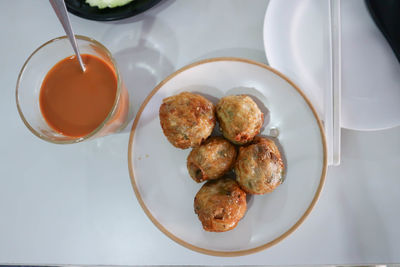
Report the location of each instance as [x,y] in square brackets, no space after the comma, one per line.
[187,119]
[240,118]
[212,159]
[220,204]
[259,167]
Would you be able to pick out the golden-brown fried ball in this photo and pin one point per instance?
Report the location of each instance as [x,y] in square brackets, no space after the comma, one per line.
[259,167]
[187,119]
[212,159]
[240,118]
[220,204]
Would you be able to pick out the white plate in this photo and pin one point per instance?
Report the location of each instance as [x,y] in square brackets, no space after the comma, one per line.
[296,40]
[166,191]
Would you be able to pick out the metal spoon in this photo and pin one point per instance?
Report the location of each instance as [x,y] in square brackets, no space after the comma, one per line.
[61,12]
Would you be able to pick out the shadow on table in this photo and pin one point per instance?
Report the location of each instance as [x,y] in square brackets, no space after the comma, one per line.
[240,52]
[141,57]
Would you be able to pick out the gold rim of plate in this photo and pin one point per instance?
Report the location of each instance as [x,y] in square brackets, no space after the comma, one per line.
[216,252]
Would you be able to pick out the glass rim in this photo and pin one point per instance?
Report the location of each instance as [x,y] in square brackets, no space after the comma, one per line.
[109,115]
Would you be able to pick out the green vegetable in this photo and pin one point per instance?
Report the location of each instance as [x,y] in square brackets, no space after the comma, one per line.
[107,3]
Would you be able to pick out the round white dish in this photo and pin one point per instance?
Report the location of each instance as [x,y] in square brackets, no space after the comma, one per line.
[296,41]
[165,190]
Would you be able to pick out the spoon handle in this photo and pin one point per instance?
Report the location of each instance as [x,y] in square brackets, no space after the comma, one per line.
[61,12]
[333,93]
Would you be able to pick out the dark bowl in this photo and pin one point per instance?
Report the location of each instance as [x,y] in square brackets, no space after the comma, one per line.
[81,9]
[386,15]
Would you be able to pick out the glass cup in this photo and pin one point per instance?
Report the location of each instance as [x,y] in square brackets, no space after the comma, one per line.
[33,73]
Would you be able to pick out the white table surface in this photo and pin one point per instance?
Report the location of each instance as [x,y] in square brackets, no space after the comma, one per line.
[73,204]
